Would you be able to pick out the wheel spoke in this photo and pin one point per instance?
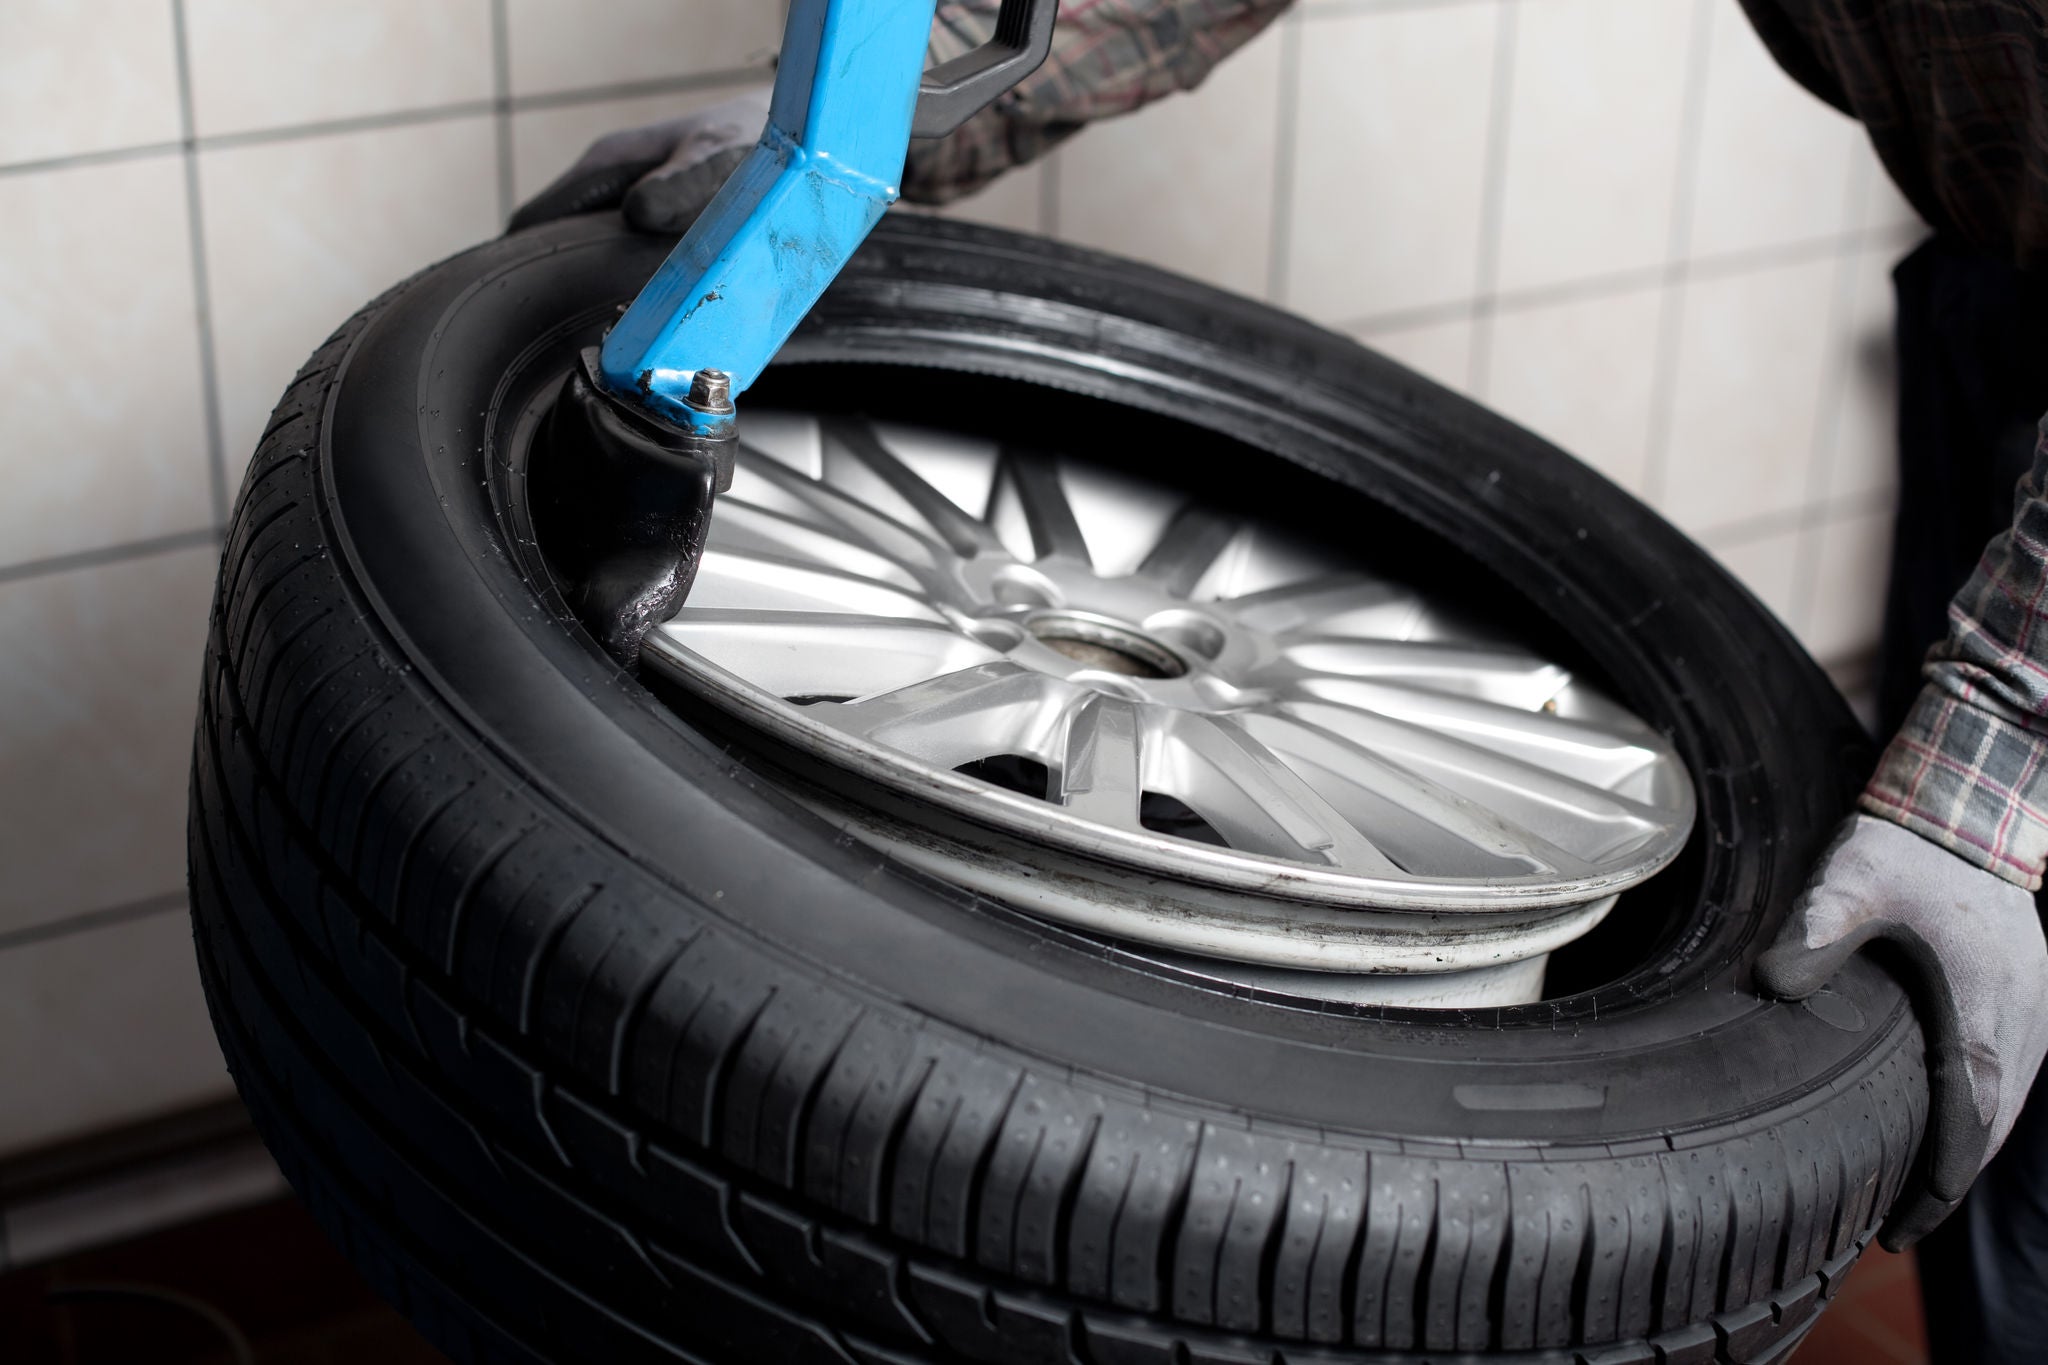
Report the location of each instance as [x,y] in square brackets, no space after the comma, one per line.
[744,528]
[1350,604]
[1187,547]
[1252,798]
[807,499]
[1423,824]
[980,712]
[730,579]
[1582,816]
[1595,753]
[1098,777]
[809,654]
[1054,532]
[966,535]
[1505,677]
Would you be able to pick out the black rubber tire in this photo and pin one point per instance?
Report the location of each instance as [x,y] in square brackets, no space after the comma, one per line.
[591,1045]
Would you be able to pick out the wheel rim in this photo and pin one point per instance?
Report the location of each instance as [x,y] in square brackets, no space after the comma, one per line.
[1093,667]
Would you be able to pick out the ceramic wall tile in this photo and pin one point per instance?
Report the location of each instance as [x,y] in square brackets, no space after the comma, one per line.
[284,276]
[1016,200]
[1392,114]
[1441,350]
[1746,394]
[99,675]
[100,1028]
[75,78]
[1844,612]
[557,46]
[1768,566]
[1593,138]
[1775,164]
[547,141]
[274,63]
[1581,373]
[1187,183]
[96,271]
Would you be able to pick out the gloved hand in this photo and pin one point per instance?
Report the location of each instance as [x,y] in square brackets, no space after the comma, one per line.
[1975,945]
[662,175]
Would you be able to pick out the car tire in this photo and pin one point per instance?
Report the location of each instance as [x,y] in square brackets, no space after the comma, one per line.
[589,1043]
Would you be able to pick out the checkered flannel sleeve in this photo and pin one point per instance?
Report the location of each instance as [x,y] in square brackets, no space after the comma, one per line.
[1108,57]
[1967,768]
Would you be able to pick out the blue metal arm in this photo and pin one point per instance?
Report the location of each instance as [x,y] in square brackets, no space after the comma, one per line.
[827,167]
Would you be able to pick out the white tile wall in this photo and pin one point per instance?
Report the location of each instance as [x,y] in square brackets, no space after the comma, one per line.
[100,1024]
[1541,356]
[301,233]
[1613,220]
[1186,184]
[1775,164]
[557,45]
[79,81]
[289,62]
[1746,399]
[1593,125]
[1389,173]
[96,274]
[98,677]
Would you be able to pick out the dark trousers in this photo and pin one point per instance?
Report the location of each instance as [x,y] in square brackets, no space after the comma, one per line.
[1973,385]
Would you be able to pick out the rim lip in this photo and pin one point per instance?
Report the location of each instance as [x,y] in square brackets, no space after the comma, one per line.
[990,807]
[1315,940]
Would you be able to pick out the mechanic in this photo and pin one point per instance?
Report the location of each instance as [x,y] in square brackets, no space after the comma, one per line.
[1946,850]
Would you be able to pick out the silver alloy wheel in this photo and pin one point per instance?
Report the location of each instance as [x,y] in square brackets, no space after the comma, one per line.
[1158,720]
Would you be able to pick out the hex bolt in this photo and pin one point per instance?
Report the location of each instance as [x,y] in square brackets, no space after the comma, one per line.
[710,391]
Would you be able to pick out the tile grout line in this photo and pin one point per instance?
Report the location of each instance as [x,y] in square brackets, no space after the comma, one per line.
[657,85]
[74,160]
[84,922]
[1806,516]
[354,123]
[1492,206]
[102,556]
[501,104]
[1827,418]
[202,300]
[1049,194]
[1727,265]
[1286,135]
[1671,311]
[396,118]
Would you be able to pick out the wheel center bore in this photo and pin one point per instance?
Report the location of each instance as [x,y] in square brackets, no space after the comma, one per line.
[1102,644]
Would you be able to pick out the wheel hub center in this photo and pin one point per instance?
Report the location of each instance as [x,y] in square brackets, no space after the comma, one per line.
[1098,643]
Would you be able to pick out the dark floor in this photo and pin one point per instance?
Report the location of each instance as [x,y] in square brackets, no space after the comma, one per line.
[266,1279]
[1875,1320]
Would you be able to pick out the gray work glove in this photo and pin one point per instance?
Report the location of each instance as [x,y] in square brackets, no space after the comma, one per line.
[662,175]
[1975,947]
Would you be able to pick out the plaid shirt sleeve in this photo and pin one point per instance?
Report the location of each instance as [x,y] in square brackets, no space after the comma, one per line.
[1969,769]
[1108,57]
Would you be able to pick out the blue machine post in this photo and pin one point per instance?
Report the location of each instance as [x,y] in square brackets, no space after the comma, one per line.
[827,167]
[647,422]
